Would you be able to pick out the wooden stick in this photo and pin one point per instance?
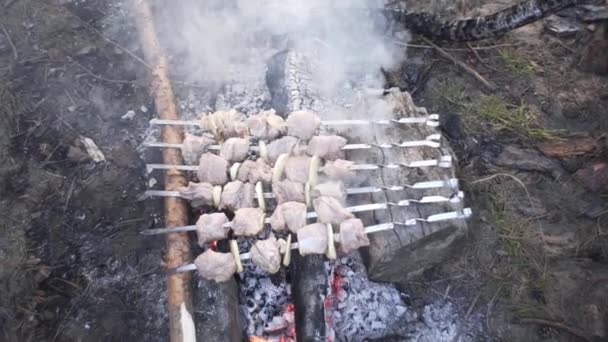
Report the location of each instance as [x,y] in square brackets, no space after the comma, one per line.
[176,209]
[461,64]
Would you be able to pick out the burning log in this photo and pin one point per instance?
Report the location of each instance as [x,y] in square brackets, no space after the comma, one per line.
[178,244]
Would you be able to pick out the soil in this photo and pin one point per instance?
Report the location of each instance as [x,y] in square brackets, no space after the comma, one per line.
[74,267]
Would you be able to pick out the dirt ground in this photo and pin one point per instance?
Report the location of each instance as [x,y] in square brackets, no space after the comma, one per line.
[73,266]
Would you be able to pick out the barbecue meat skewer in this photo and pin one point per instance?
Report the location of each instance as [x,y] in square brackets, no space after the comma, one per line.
[248,221]
[215,266]
[330,210]
[312,239]
[296,169]
[303,124]
[288,191]
[199,194]
[194,146]
[266,125]
[334,189]
[266,254]
[290,215]
[211,227]
[326,146]
[225,124]
[212,169]
[237,195]
[339,169]
[283,145]
[255,171]
[235,149]
[352,235]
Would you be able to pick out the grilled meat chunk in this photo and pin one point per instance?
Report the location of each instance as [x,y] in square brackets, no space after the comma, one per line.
[312,239]
[352,235]
[215,266]
[334,189]
[210,227]
[303,124]
[248,221]
[199,194]
[326,146]
[266,125]
[266,254]
[194,146]
[290,215]
[280,146]
[212,169]
[235,149]
[296,169]
[330,210]
[255,171]
[288,191]
[225,124]
[339,169]
[238,195]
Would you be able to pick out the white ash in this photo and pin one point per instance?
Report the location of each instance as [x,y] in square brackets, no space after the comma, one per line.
[262,301]
[359,309]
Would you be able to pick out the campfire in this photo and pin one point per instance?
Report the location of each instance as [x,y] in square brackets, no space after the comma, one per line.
[302,203]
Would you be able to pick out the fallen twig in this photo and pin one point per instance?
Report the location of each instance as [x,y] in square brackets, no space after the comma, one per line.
[461,64]
[573,331]
[10,42]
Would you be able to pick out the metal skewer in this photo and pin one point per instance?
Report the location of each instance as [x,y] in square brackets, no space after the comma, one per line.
[443,162]
[465,213]
[431,120]
[310,215]
[433,140]
[352,191]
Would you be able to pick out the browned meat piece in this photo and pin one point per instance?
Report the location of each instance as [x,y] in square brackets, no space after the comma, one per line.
[225,124]
[213,169]
[248,221]
[303,124]
[255,171]
[210,227]
[235,149]
[339,169]
[326,146]
[352,235]
[280,146]
[266,125]
[265,254]
[199,194]
[193,147]
[288,191]
[215,266]
[312,239]
[291,215]
[330,210]
[334,189]
[296,169]
[236,195]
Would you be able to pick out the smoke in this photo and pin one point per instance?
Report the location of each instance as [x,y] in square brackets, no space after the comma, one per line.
[218,40]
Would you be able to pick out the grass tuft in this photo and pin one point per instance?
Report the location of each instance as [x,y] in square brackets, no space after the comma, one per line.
[515,63]
[502,116]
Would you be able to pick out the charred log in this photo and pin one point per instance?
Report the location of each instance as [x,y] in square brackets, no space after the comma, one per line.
[309,287]
[526,12]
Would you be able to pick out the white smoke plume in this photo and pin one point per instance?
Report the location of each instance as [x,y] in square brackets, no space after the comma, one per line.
[215,37]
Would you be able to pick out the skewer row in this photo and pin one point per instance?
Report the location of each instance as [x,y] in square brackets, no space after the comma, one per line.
[465,213]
